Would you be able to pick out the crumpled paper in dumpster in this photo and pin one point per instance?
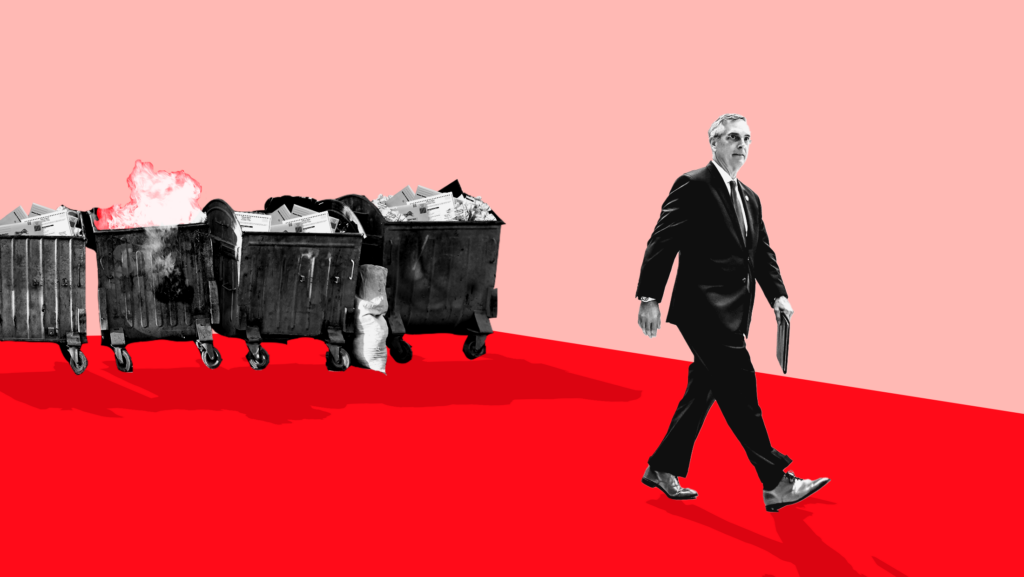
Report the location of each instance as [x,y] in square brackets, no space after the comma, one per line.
[41,221]
[316,222]
[473,208]
[427,205]
[369,346]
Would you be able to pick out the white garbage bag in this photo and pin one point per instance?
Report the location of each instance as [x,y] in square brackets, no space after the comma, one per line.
[369,347]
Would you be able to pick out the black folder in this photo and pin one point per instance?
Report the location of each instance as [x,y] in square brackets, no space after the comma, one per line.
[782,342]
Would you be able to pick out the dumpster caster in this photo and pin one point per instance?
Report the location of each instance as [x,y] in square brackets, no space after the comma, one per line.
[470,348]
[209,353]
[400,350]
[124,360]
[258,363]
[341,363]
[76,358]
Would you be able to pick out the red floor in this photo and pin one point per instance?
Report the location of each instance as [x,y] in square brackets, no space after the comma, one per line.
[526,460]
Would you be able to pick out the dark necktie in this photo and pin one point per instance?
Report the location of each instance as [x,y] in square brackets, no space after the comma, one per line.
[738,205]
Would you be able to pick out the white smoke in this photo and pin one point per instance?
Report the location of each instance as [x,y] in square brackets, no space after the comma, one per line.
[162,264]
[158,198]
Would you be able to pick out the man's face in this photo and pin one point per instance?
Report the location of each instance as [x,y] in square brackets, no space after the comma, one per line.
[733,146]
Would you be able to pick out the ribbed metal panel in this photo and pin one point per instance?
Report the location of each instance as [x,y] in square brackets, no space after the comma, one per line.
[439,274]
[42,288]
[129,278]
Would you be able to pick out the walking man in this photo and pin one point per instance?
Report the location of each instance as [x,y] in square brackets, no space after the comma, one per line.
[712,221]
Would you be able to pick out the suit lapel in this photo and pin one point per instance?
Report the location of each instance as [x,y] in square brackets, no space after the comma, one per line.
[724,202]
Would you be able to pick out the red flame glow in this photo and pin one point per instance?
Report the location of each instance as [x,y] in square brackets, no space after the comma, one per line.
[158,198]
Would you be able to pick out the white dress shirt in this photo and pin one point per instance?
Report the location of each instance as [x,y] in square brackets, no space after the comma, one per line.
[728,187]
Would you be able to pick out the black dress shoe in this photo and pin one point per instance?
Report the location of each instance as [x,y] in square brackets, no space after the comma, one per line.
[791,489]
[669,486]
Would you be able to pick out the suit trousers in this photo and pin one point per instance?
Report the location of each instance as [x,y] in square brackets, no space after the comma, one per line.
[722,372]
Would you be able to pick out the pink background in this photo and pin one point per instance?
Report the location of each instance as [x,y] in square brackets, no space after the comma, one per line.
[884,141]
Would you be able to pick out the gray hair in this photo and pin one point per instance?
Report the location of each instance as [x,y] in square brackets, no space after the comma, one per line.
[718,127]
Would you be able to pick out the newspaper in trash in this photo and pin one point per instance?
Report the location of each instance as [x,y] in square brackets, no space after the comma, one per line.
[317,222]
[430,209]
[464,208]
[386,211]
[303,211]
[402,197]
[16,228]
[55,223]
[14,217]
[253,221]
[280,215]
[38,210]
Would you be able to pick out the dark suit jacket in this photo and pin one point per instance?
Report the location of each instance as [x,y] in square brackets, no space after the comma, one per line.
[714,289]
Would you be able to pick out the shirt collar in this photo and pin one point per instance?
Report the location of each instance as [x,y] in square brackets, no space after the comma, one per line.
[725,175]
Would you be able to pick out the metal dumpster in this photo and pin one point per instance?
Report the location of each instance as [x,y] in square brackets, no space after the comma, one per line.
[278,286]
[155,283]
[43,293]
[440,276]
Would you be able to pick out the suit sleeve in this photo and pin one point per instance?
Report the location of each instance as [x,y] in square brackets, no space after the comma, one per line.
[669,234]
[766,269]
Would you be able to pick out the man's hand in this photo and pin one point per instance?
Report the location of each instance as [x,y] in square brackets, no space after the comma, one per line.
[650,318]
[782,306]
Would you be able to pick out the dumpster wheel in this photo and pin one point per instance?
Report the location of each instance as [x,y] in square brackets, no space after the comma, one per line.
[259,363]
[469,351]
[210,354]
[400,350]
[342,363]
[76,358]
[124,360]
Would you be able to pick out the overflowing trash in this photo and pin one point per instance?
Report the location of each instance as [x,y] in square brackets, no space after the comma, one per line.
[169,270]
[427,205]
[42,221]
[296,218]
[42,270]
[275,287]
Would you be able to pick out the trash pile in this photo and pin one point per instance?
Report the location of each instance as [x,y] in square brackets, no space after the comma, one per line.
[42,221]
[426,205]
[296,219]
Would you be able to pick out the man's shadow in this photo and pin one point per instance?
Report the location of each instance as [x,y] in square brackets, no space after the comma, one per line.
[798,543]
[284,392]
